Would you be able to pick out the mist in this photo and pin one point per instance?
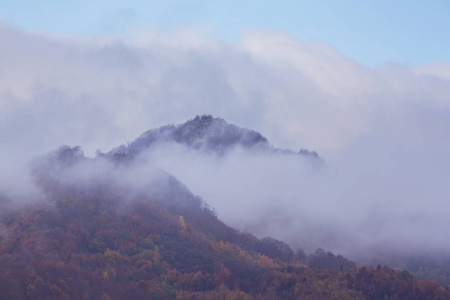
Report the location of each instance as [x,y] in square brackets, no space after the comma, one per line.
[383,133]
[391,201]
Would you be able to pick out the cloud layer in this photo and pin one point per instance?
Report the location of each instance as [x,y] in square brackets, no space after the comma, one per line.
[384,132]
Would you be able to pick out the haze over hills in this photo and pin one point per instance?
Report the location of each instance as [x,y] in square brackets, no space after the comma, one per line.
[132,169]
[276,189]
[102,222]
[148,216]
[254,186]
[120,227]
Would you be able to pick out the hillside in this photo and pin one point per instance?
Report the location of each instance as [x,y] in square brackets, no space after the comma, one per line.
[97,234]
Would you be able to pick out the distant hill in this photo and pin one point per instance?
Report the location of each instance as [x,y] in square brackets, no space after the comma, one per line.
[204,133]
[105,232]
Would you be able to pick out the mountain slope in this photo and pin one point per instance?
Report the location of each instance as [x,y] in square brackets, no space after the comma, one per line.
[99,235]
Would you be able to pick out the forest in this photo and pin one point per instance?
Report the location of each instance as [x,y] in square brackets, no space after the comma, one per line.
[100,240]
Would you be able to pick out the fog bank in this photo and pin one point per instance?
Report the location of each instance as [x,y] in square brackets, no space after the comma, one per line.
[383,133]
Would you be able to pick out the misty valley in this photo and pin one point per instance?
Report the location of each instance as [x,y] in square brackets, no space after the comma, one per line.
[209,210]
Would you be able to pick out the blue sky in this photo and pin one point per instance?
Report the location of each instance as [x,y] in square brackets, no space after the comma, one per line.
[371,32]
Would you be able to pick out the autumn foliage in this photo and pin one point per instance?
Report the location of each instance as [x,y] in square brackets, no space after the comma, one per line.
[100,242]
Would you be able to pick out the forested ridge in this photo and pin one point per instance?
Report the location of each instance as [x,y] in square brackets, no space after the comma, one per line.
[118,227]
[101,241]
[83,246]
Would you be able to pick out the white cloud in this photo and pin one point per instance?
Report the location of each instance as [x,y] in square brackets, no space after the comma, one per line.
[383,132]
[437,69]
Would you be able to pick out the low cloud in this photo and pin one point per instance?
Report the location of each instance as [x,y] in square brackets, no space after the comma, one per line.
[382,132]
[359,204]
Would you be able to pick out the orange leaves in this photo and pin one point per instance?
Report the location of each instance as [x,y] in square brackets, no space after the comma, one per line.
[265,261]
[182,222]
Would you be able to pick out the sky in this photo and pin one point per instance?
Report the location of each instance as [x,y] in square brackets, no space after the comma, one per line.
[371,32]
[363,83]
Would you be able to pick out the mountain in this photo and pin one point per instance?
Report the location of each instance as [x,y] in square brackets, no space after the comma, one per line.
[98,235]
[117,227]
[204,133]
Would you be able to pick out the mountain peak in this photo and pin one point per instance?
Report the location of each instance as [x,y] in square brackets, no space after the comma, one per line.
[216,134]
[204,132]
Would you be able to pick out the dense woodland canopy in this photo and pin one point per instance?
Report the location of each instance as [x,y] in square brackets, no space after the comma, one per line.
[100,240]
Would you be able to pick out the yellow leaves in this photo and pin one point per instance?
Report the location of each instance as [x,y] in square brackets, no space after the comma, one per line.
[105,297]
[182,222]
[34,282]
[242,254]
[109,273]
[105,275]
[265,261]
[36,285]
[112,257]
[229,249]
